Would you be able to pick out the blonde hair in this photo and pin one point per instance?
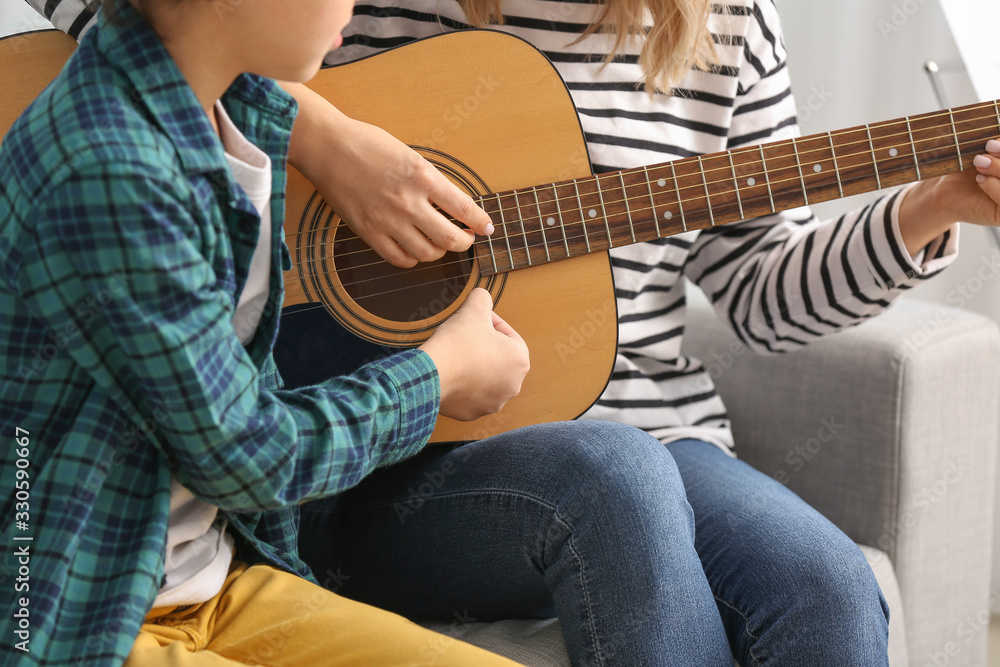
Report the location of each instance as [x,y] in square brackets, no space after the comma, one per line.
[678,39]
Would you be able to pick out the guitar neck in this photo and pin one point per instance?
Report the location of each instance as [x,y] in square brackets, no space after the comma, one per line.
[557,221]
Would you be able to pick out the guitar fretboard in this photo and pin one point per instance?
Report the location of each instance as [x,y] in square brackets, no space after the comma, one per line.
[561,220]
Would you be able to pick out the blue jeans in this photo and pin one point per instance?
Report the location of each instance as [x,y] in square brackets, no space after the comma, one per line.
[648,554]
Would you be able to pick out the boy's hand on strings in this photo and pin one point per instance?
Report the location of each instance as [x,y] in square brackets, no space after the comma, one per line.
[393,198]
[480,359]
[404,203]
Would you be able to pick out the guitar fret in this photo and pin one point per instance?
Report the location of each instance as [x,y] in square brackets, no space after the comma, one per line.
[736,185]
[562,222]
[541,225]
[913,145]
[680,200]
[489,239]
[798,165]
[506,237]
[767,179]
[708,199]
[628,209]
[524,230]
[520,220]
[583,220]
[836,169]
[958,148]
[871,145]
[652,202]
[600,198]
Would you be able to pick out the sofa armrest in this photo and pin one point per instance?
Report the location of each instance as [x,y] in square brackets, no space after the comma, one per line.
[890,430]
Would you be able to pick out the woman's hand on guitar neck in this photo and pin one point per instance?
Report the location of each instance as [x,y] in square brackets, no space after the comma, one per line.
[931,206]
[480,359]
[388,194]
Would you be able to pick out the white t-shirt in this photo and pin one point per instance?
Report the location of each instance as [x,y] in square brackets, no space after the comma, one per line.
[199,551]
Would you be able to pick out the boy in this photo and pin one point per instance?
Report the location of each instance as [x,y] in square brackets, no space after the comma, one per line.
[158,467]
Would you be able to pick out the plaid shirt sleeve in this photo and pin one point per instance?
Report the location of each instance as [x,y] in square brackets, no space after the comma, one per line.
[166,346]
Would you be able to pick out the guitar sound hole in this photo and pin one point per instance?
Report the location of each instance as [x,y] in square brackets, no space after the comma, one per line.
[400,295]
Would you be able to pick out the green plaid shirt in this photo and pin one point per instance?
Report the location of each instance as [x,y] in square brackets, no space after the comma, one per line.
[124,243]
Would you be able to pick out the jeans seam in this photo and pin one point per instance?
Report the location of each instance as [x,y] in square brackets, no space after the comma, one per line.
[584,589]
[188,627]
[746,624]
[448,494]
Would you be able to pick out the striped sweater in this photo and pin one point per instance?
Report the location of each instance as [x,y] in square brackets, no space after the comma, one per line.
[779,281]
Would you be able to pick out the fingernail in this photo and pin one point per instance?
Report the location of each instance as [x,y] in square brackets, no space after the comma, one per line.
[980,178]
[993,146]
[982,161]
[489,229]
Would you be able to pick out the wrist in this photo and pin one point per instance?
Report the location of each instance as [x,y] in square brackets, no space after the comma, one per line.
[441,360]
[316,121]
[924,215]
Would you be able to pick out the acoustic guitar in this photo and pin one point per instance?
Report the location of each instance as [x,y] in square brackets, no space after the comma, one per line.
[493,114]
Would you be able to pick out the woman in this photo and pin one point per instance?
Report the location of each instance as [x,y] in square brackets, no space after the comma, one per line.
[788,587]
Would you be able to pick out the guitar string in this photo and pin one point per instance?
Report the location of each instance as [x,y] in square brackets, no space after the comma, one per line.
[578,209]
[867,150]
[564,226]
[411,273]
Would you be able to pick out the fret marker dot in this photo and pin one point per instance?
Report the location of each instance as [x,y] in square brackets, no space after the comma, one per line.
[751,181]
[668,215]
[592,213]
[550,221]
[893,152]
[661,182]
[817,168]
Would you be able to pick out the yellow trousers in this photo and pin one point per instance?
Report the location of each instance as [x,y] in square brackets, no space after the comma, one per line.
[264,616]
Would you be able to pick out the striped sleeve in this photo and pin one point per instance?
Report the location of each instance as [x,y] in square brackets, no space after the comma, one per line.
[784,279]
[73,17]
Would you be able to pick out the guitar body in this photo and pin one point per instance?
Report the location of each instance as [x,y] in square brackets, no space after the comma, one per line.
[498,118]
[31,60]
